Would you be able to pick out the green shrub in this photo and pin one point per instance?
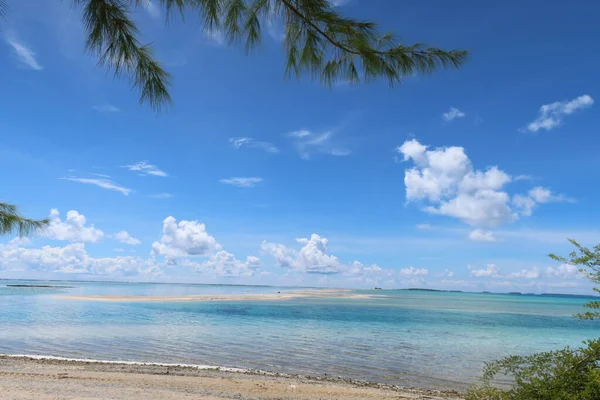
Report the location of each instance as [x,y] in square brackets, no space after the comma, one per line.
[567,374]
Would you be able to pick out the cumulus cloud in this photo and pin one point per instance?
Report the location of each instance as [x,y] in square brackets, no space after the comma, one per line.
[186,238]
[125,237]
[563,271]
[223,263]
[240,142]
[73,259]
[551,115]
[537,195]
[445,178]
[491,271]
[446,274]
[72,229]
[24,54]
[308,143]
[412,271]
[312,258]
[102,183]
[144,168]
[242,182]
[452,114]
[479,235]
[533,273]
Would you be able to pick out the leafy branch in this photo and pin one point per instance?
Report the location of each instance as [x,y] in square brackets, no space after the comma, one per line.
[12,221]
[318,40]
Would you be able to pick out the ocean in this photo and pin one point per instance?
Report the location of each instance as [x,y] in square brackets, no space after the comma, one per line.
[408,338]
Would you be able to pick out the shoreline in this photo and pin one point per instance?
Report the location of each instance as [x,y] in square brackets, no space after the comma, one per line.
[27,376]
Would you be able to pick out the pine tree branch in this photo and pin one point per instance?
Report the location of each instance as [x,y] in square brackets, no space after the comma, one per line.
[11,221]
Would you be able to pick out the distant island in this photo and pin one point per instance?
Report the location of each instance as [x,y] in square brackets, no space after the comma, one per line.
[40,286]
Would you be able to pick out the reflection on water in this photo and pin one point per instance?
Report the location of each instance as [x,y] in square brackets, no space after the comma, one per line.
[406,338]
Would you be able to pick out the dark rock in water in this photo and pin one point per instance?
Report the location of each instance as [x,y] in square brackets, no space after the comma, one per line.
[377,288]
[41,286]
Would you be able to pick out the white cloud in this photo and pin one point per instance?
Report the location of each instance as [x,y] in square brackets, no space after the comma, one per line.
[74,259]
[239,142]
[163,195]
[225,264]
[479,235]
[186,238]
[491,271]
[540,195]
[308,143]
[72,228]
[103,183]
[125,237]
[551,115]
[144,168]
[447,273]
[423,226]
[412,271]
[24,54]
[242,182]
[445,178]
[452,114]
[106,108]
[543,195]
[563,271]
[312,258]
[151,8]
[533,273]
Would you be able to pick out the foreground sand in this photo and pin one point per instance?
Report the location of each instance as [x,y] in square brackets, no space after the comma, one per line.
[23,378]
[288,295]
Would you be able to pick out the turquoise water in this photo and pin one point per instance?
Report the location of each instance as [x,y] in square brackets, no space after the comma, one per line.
[427,339]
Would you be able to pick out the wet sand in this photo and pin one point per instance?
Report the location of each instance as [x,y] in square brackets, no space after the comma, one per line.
[46,379]
[338,294]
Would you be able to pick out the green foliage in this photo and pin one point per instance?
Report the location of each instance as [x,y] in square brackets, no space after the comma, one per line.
[318,41]
[11,221]
[572,374]
[557,375]
[589,261]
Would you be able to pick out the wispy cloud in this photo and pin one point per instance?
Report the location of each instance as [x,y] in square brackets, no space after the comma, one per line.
[523,178]
[100,175]
[151,8]
[106,108]
[24,54]
[163,195]
[479,235]
[100,182]
[308,143]
[551,115]
[144,168]
[242,182]
[217,36]
[239,142]
[452,114]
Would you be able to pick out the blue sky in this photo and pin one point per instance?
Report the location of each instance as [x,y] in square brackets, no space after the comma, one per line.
[460,180]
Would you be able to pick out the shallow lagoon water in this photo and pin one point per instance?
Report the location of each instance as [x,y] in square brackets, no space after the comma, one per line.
[411,338]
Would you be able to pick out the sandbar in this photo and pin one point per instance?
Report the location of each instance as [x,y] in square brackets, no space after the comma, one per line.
[338,294]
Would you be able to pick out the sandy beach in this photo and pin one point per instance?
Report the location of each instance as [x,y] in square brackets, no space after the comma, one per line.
[46,379]
[338,294]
